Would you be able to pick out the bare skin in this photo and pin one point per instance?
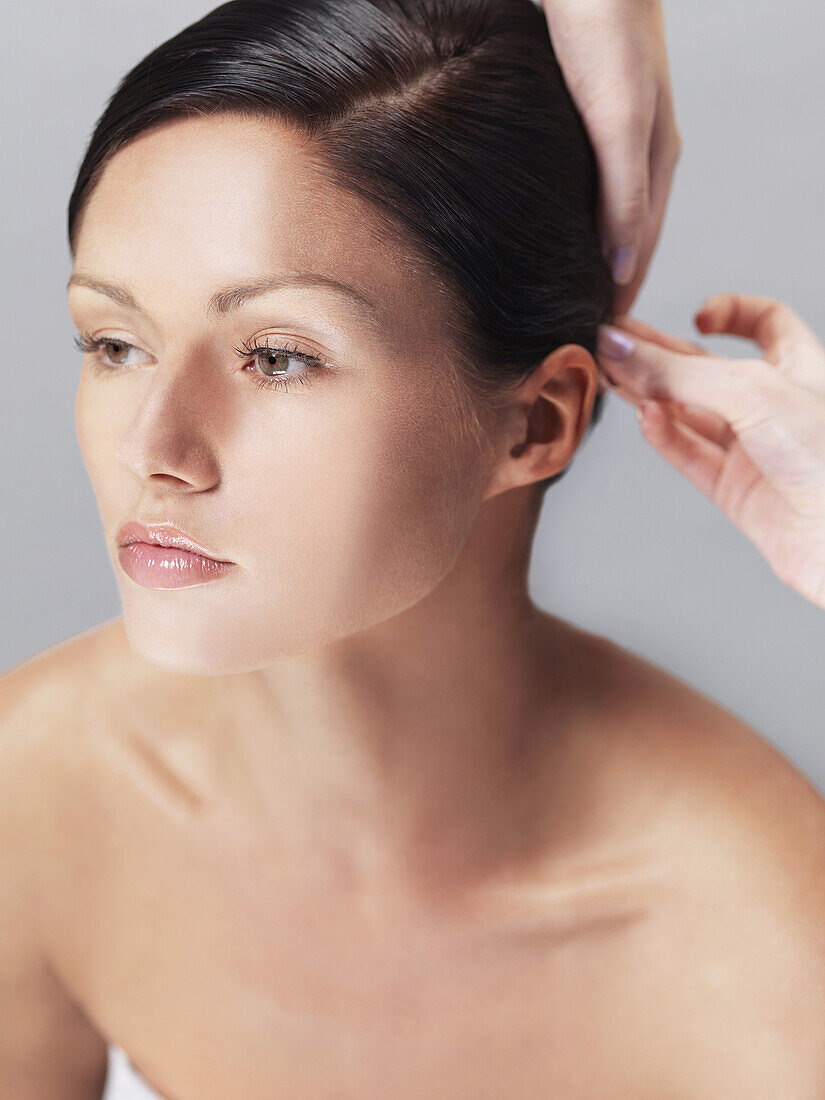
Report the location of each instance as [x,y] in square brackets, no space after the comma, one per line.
[653,929]
[358,819]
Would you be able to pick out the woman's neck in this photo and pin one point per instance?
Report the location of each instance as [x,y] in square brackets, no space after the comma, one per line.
[421,748]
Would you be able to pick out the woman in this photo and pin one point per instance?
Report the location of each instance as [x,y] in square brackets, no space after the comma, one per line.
[333,808]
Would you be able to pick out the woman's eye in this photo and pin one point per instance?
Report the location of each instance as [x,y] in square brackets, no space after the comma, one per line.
[117,351]
[272,365]
[108,353]
[274,362]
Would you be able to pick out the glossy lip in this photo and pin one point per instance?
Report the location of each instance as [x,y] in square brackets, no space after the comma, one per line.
[163,534]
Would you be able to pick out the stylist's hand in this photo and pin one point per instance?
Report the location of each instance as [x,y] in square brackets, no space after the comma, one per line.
[755,444]
[614,61]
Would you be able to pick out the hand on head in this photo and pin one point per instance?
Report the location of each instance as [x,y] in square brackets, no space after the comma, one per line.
[614,60]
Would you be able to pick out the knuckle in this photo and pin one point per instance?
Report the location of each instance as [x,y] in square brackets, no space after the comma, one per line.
[614,112]
[777,310]
[638,120]
[633,206]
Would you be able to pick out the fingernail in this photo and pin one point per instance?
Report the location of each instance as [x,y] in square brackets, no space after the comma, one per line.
[614,342]
[622,261]
[641,409]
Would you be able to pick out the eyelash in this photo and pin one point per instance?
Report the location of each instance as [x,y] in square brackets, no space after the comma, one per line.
[91,345]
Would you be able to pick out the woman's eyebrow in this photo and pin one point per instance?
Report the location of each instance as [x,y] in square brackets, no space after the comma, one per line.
[233,297]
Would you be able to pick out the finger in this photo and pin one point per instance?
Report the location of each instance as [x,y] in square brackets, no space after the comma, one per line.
[665,149]
[778,329]
[704,422]
[778,423]
[647,332]
[620,388]
[622,153]
[699,459]
[731,388]
[709,425]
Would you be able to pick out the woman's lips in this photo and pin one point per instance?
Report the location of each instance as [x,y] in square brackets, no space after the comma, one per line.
[168,567]
[161,555]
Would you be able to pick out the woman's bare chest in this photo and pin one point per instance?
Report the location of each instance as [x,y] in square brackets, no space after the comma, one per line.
[221,972]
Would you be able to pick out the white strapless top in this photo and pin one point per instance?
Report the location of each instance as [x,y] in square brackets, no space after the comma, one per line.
[123,1081]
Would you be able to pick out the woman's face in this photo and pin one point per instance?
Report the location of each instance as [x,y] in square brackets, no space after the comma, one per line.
[342,499]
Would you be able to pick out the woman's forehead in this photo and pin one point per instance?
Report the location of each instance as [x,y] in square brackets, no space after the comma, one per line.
[217,200]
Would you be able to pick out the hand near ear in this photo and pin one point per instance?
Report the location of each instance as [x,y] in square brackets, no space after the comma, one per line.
[750,433]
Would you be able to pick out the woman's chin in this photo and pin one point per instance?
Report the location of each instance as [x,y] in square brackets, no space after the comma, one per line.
[193,647]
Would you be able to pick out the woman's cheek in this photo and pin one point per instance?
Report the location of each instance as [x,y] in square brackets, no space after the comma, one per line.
[359,517]
[86,425]
[97,427]
[403,507]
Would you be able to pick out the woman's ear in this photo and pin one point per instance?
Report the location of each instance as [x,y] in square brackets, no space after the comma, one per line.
[546,418]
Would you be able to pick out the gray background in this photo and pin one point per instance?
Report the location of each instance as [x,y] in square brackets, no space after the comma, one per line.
[626,546]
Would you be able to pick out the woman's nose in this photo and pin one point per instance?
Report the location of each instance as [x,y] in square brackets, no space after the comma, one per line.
[173,431]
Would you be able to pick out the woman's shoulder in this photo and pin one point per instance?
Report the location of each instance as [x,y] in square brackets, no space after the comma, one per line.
[705,768]
[739,833]
[92,752]
[55,1044]
[58,680]
[57,705]
[44,698]
[56,709]
[79,715]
